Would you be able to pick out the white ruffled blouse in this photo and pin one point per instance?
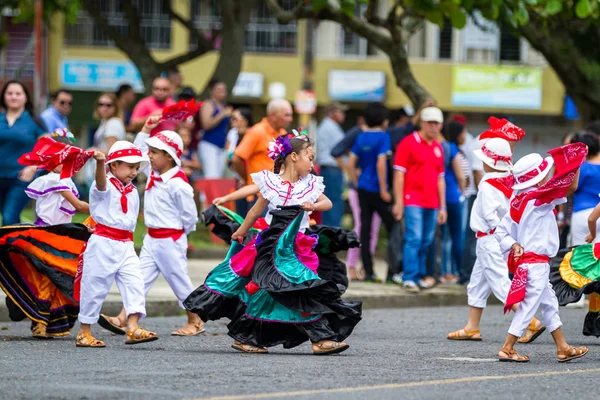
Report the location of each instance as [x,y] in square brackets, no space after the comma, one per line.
[282,193]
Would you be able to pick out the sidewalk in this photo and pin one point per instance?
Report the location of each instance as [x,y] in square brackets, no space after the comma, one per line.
[162,302]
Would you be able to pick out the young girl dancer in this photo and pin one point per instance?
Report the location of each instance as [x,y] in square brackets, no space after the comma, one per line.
[38,264]
[490,274]
[530,232]
[270,289]
[170,214]
[110,254]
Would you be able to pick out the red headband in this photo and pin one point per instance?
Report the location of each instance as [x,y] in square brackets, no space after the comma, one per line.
[495,156]
[169,142]
[134,151]
[532,174]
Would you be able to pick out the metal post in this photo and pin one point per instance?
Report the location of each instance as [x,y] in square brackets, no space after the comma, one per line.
[37,78]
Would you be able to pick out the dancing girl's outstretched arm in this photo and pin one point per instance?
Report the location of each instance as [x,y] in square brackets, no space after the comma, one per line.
[254,213]
[592,221]
[241,193]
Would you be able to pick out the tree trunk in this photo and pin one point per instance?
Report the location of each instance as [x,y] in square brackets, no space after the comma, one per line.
[405,79]
[576,63]
[235,17]
[149,70]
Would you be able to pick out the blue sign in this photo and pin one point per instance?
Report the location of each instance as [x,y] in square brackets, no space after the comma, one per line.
[570,109]
[356,85]
[99,75]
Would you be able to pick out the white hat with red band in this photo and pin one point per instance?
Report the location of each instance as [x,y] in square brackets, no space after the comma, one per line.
[168,141]
[496,153]
[531,170]
[125,151]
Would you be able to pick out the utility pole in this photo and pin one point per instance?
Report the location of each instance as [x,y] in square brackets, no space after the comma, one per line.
[37,78]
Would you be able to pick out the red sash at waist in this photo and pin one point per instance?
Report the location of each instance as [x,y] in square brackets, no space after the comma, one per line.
[164,233]
[120,235]
[479,235]
[518,286]
[526,258]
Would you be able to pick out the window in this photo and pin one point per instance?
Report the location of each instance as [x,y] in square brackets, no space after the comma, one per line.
[510,46]
[352,44]
[264,34]
[155,24]
[445,44]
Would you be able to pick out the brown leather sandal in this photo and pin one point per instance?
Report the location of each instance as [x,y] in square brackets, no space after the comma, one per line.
[571,354]
[464,334]
[512,356]
[532,332]
[140,335]
[39,332]
[248,348]
[325,347]
[85,339]
[199,328]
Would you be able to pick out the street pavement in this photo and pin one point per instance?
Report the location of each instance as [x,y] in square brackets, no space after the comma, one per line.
[394,354]
[162,302]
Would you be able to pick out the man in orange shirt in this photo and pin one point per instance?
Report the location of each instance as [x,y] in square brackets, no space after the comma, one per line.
[251,155]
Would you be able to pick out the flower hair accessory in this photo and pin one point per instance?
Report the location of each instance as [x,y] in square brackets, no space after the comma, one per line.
[303,134]
[281,146]
[63,132]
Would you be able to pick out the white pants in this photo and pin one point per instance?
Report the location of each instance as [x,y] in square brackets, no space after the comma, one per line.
[213,160]
[579,227]
[539,295]
[104,262]
[169,257]
[490,273]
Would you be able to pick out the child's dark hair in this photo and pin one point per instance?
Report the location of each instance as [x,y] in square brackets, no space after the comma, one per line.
[589,139]
[375,114]
[298,144]
[452,131]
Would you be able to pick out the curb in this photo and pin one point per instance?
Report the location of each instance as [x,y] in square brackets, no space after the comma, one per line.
[170,308]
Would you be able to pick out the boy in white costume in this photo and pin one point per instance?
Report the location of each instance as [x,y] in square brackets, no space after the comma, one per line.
[170,214]
[110,254]
[490,273]
[530,231]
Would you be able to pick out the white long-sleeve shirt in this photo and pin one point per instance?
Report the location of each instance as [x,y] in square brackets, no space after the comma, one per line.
[170,203]
[536,232]
[490,206]
[105,206]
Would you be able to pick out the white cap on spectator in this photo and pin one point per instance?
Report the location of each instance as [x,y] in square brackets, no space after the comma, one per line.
[432,114]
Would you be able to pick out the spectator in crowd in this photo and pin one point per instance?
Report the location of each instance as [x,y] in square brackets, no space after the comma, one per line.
[369,154]
[341,149]
[329,133]
[475,173]
[189,158]
[420,195]
[585,197]
[453,232]
[125,99]
[55,116]
[193,124]
[251,154]
[241,121]
[176,78]
[19,131]
[153,106]
[214,116]
[111,129]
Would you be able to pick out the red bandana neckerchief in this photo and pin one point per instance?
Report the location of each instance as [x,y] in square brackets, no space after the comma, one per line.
[503,184]
[157,178]
[48,154]
[124,192]
[567,160]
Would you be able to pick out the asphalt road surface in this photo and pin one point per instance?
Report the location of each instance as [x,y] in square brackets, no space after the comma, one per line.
[394,354]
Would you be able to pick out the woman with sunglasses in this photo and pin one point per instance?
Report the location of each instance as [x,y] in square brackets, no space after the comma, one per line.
[19,131]
[111,129]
